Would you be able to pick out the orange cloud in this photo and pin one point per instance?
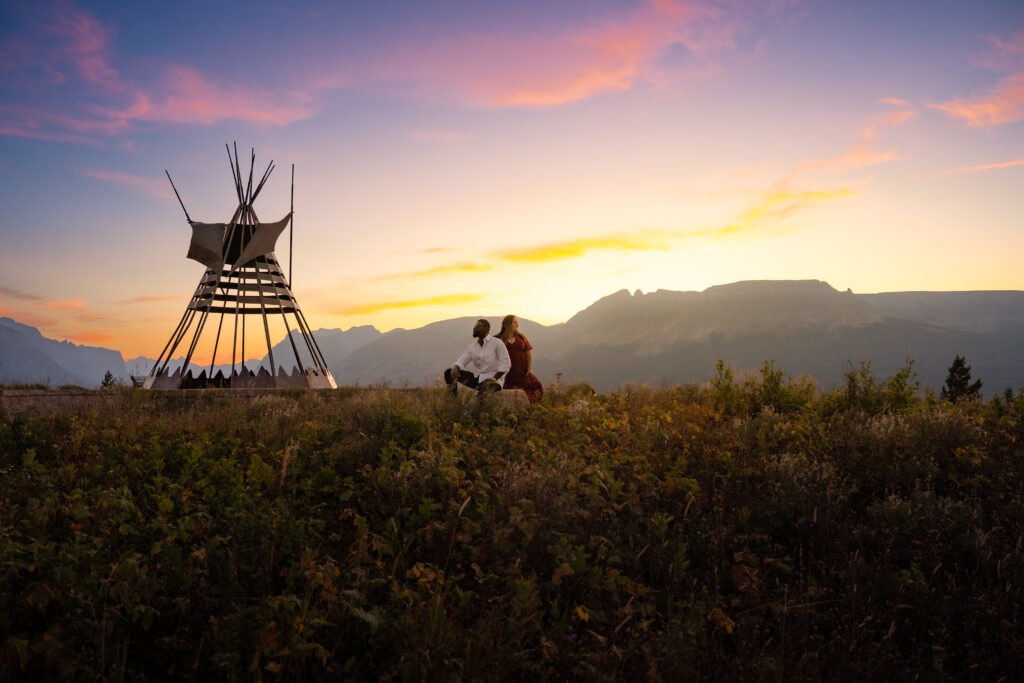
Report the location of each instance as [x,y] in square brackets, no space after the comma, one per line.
[1005,104]
[149,299]
[627,48]
[189,98]
[152,186]
[645,241]
[990,167]
[771,208]
[12,293]
[440,270]
[25,318]
[774,206]
[887,120]
[66,306]
[895,101]
[443,300]
[92,337]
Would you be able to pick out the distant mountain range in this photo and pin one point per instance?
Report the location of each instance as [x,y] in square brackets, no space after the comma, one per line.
[29,357]
[806,327]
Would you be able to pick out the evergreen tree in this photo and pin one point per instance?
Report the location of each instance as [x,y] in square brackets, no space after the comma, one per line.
[958,382]
[108,380]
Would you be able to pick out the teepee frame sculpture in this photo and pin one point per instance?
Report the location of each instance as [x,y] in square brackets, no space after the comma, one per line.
[243,279]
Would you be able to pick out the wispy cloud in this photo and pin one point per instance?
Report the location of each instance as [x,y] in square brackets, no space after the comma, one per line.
[539,69]
[156,187]
[872,130]
[12,293]
[989,167]
[771,208]
[895,101]
[440,270]
[93,317]
[25,317]
[64,61]
[431,250]
[65,306]
[443,300]
[149,299]
[36,301]
[187,96]
[570,249]
[775,206]
[92,337]
[1003,104]
[862,154]
[1002,54]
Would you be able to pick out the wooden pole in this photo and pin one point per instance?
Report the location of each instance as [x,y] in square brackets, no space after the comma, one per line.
[291,230]
[178,196]
[263,180]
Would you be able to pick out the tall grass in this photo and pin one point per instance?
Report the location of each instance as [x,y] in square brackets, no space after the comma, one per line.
[753,529]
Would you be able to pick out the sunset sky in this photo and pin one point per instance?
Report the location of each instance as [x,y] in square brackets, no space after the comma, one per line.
[482,158]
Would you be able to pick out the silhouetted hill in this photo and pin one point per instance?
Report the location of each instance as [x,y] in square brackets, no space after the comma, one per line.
[27,356]
[994,311]
[655,321]
[806,327]
[335,345]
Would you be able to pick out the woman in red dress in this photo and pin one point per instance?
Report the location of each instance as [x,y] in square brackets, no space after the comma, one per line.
[520,352]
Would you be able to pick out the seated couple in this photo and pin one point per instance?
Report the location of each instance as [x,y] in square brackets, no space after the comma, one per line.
[492,362]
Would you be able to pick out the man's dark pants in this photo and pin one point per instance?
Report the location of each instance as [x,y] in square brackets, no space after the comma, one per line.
[470,380]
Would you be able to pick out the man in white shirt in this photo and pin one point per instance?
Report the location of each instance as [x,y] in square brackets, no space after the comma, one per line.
[482,366]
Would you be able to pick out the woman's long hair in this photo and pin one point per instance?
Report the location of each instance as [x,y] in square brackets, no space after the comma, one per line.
[506,323]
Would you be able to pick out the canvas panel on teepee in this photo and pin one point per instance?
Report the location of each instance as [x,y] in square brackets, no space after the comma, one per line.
[243,280]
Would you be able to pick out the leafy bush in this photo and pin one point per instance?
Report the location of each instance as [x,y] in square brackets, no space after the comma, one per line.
[741,530]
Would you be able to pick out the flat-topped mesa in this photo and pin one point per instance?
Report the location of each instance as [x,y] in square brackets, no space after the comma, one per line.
[723,311]
[243,279]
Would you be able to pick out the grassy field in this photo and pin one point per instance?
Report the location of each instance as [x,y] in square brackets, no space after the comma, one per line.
[741,530]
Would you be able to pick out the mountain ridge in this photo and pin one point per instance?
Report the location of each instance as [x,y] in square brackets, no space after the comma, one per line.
[805,326]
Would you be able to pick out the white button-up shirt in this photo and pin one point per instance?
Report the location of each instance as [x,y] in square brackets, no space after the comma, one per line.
[487,360]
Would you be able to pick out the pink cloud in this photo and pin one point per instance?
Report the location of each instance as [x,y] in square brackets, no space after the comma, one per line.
[25,318]
[895,101]
[149,299]
[74,51]
[887,120]
[577,63]
[85,45]
[990,167]
[156,187]
[1002,55]
[64,306]
[92,337]
[186,96]
[1004,104]
[12,293]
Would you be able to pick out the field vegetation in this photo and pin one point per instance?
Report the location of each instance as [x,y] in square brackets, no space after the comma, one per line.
[754,528]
